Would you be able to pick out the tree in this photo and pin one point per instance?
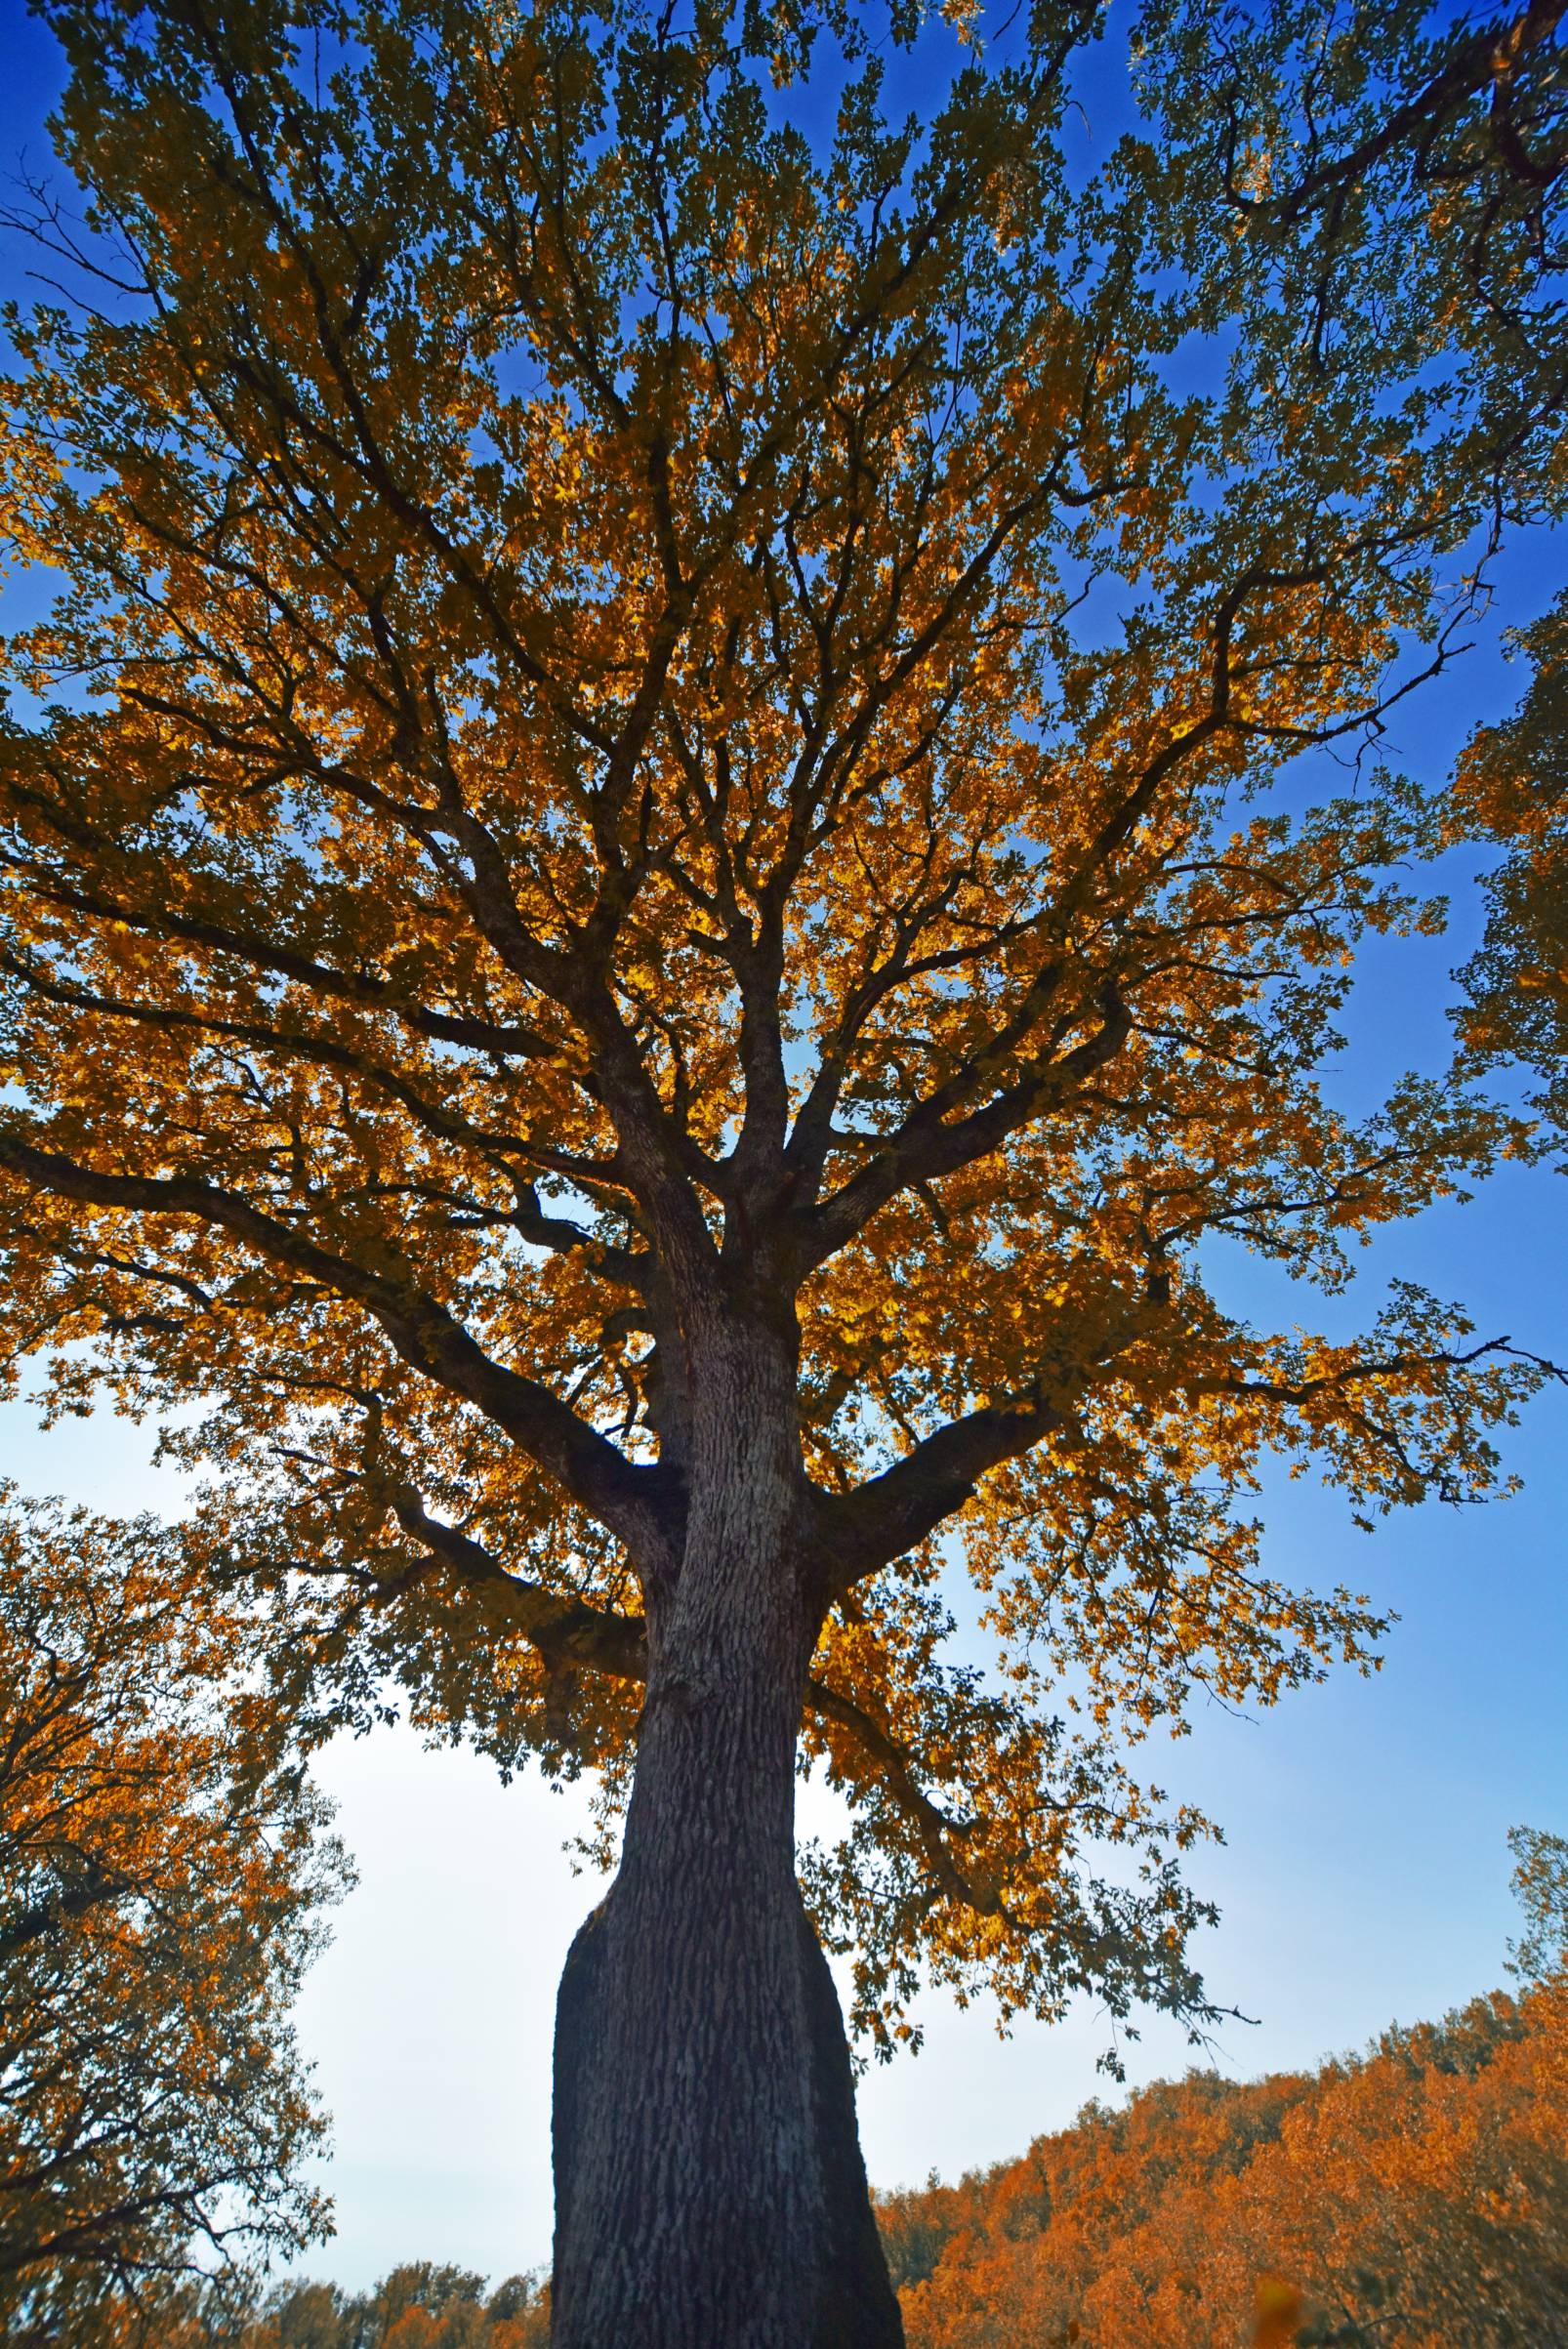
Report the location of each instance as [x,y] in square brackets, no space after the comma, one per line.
[418,2307]
[662,911]
[1513,785]
[1540,1887]
[157,1905]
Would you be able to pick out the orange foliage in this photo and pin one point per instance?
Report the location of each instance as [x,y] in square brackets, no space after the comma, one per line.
[157,1882]
[418,2305]
[1417,2197]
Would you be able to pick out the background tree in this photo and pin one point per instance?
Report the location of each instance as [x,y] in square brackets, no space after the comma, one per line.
[418,2305]
[159,1903]
[1415,2195]
[662,911]
[1540,1887]
[1512,784]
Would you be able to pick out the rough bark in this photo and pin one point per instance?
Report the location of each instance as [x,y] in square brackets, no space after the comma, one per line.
[710,2192]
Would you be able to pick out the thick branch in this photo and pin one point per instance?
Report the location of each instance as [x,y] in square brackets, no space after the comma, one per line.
[866,1528]
[555,1233]
[269,953]
[926,1146]
[1487,61]
[638,1504]
[565,1630]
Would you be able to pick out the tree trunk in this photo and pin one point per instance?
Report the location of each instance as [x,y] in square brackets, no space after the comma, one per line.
[710,2192]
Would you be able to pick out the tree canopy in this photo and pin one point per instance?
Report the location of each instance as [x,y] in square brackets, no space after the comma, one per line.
[664,707]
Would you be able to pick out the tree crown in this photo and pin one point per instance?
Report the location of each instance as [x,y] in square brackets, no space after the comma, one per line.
[659,725]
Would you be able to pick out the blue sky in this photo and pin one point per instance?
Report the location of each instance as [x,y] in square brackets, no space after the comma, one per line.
[1364,1876]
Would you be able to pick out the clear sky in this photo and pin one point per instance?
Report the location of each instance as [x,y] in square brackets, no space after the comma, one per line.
[1364,1876]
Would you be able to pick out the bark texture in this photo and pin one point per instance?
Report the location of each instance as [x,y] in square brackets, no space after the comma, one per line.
[710,2192]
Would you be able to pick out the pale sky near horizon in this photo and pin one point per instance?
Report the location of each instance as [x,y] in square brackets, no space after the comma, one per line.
[1365,1876]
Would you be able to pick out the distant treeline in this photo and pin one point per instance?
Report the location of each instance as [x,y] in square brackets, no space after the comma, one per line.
[1416,2198]
[418,2305]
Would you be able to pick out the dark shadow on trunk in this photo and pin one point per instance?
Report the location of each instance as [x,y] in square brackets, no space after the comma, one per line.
[858,2304]
[644,2273]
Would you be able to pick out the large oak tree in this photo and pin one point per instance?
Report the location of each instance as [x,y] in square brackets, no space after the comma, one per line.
[673,880]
